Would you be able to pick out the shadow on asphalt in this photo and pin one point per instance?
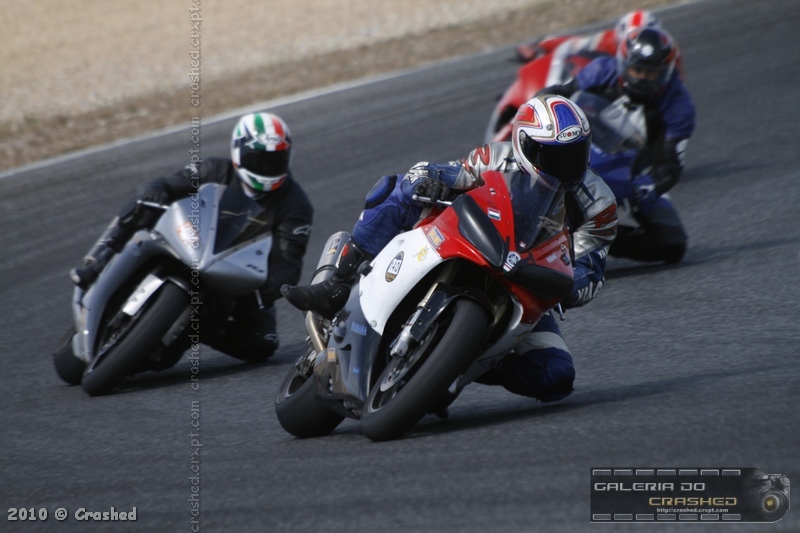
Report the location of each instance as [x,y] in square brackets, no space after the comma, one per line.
[581,399]
[213,365]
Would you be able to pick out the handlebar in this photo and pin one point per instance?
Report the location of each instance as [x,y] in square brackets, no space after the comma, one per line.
[427,200]
[154,205]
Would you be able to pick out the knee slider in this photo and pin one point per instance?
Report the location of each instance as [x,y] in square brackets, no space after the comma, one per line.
[672,236]
[672,241]
[557,375]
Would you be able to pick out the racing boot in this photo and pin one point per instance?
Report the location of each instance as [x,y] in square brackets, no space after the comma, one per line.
[329,296]
[84,276]
[106,247]
[133,216]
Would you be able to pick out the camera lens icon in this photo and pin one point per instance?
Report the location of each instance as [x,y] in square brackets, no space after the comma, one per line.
[772,505]
[768,495]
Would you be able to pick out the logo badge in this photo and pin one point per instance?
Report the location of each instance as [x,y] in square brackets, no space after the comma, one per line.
[435,236]
[361,329]
[394,267]
[569,134]
[334,246]
[302,230]
[511,260]
[422,254]
[188,235]
[267,139]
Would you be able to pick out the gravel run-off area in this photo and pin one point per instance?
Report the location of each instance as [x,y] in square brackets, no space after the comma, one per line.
[94,71]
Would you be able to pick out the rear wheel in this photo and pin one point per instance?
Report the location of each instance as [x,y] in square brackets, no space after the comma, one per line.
[126,342]
[410,386]
[68,367]
[299,411]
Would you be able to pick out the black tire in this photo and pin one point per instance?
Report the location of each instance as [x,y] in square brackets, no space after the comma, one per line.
[68,367]
[139,339]
[299,411]
[444,354]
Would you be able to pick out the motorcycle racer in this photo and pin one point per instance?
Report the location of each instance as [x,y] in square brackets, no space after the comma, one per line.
[644,70]
[552,138]
[604,42]
[261,148]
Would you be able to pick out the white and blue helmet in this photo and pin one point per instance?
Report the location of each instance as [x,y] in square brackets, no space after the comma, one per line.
[551,136]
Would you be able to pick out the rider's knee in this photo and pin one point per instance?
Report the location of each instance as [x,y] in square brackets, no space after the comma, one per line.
[672,243]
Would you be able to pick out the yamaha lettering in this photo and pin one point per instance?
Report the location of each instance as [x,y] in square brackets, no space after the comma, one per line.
[361,329]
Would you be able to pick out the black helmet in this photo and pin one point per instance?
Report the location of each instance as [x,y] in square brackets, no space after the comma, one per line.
[645,61]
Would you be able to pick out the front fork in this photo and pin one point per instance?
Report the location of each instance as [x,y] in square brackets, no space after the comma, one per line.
[399,347]
[402,343]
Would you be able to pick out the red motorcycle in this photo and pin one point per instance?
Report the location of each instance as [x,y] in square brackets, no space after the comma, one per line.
[435,309]
[557,67]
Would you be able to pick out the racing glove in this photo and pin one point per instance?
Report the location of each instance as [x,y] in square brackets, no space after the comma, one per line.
[424,181]
[135,215]
[644,193]
[432,188]
[154,195]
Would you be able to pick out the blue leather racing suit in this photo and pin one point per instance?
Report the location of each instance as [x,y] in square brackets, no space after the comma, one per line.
[540,366]
[670,121]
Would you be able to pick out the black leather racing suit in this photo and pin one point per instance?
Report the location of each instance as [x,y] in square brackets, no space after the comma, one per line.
[251,334]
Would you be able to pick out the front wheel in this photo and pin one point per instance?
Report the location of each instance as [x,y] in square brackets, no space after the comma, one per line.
[410,386]
[68,367]
[299,411]
[127,341]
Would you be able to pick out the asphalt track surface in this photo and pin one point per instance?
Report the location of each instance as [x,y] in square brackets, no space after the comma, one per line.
[694,365]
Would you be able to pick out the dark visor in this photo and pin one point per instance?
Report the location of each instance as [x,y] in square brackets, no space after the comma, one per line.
[565,162]
[267,164]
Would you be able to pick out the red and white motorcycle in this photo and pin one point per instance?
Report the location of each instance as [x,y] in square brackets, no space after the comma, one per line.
[435,309]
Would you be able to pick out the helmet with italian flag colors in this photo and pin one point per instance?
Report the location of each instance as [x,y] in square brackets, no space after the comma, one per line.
[261,149]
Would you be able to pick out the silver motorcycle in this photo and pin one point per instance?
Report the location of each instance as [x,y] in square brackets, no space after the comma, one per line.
[167,290]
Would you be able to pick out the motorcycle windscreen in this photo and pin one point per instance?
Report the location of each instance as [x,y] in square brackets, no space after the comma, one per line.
[617,126]
[240,219]
[538,206]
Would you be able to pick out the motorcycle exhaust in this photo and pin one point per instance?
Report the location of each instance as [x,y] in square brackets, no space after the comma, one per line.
[330,255]
[325,267]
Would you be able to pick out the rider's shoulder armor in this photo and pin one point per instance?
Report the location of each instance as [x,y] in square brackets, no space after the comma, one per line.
[598,209]
[496,156]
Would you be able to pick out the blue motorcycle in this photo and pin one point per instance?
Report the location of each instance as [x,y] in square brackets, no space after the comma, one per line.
[649,227]
[619,133]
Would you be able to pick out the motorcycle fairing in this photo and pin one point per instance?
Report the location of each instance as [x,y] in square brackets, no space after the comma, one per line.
[619,131]
[183,233]
[567,59]
[241,219]
[340,375]
[88,308]
[479,230]
[555,68]
[530,78]
[394,272]
[190,225]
